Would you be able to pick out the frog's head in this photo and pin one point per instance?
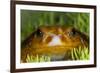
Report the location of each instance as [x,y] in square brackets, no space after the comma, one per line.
[54,36]
[55,40]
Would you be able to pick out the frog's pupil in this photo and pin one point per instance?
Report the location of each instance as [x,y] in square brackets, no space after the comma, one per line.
[72,33]
[39,33]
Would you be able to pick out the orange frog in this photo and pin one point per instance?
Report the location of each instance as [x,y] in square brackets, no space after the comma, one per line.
[53,41]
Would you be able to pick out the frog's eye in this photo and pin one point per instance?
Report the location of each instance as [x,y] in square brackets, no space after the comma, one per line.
[38,33]
[72,33]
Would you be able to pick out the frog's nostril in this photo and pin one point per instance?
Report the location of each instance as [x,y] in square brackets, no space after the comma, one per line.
[55,41]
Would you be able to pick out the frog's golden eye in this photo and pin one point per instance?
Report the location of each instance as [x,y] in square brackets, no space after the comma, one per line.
[38,33]
[72,33]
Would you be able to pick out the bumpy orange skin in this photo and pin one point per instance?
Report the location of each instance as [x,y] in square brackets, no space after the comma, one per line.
[39,42]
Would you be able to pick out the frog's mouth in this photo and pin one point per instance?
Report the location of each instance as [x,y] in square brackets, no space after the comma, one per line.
[51,49]
[55,57]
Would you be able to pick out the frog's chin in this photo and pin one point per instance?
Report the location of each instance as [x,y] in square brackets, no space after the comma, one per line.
[56,57]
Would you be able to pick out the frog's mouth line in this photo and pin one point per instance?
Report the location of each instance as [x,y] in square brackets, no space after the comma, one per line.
[55,47]
[54,50]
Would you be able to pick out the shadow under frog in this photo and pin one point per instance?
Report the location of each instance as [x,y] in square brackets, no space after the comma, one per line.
[53,41]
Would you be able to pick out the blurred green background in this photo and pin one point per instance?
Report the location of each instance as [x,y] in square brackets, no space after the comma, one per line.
[31,20]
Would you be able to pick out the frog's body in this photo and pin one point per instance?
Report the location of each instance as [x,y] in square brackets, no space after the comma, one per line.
[54,41]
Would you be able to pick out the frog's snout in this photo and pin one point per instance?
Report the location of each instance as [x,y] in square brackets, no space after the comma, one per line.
[56,40]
